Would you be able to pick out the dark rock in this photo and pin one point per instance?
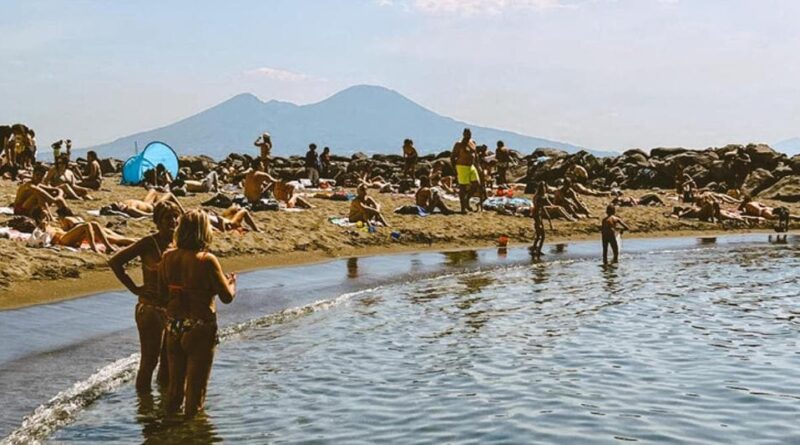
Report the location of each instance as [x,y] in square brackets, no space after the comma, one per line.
[757,181]
[786,189]
[662,152]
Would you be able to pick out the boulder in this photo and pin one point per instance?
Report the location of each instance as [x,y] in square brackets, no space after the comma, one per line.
[202,164]
[757,181]
[549,152]
[762,156]
[662,152]
[786,189]
[110,165]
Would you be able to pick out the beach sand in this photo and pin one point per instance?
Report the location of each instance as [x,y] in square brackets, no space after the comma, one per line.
[30,276]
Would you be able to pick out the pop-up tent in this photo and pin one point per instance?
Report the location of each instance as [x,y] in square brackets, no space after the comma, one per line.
[155,153]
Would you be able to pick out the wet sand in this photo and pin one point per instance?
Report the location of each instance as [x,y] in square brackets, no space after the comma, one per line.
[30,276]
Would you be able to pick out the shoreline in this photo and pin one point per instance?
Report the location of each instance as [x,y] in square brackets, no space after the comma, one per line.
[41,292]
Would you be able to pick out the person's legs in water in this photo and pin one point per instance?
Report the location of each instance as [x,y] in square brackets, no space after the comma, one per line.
[177,358]
[150,323]
[199,343]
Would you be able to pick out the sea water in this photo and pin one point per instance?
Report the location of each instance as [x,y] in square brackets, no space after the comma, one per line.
[697,344]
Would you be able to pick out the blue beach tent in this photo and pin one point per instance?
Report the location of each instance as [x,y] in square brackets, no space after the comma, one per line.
[155,153]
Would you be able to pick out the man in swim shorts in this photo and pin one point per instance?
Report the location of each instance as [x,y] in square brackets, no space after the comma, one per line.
[463,158]
[609,230]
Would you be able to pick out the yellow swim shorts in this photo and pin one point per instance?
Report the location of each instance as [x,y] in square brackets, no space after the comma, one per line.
[467,174]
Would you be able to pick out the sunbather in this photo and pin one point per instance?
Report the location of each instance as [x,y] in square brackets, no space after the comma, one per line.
[365,209]
[33,194]
[232,218]
[90,232]
[429,198]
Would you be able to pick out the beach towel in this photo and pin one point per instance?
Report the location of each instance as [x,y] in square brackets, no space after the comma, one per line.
[410,210]
[341,221]
[13,234]
[6,210]
[497,202]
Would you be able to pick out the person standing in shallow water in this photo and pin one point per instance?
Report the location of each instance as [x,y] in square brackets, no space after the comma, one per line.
[192,278]
[610,228]
[151,308]
[540,203]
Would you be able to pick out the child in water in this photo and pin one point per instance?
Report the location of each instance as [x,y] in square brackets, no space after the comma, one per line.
[609,231]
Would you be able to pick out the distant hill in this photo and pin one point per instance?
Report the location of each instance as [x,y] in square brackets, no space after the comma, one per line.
[370,119]
[790,146]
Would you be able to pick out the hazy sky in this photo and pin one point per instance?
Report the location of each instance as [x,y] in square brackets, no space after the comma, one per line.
[603,74]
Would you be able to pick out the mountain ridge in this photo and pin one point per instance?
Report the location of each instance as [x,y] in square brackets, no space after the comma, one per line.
[367,118]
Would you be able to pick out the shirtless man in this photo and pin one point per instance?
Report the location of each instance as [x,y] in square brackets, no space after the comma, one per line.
[61,177]
[410,157]
[503,156]
[256,182]
[93,178]
[429,199]
[609,229]
[264,144]
[284,191]
[365,209]
[464,157]
[34,195]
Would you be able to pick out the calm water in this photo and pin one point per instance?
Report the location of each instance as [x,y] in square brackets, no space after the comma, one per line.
[695,345]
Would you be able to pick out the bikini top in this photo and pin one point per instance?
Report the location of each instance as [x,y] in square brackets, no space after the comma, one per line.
[158,249]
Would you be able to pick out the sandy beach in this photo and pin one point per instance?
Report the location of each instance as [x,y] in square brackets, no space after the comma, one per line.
[28,275]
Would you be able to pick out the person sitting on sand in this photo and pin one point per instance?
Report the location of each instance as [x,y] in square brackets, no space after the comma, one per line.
[610,226]
[464,159]
[540,204]
[61,177]
[93,179]
[439,180]
[257,182]
[703,210]
[233,218]
[566,197]
[428,199]
[191,278]
[151,306]
[158,178]
[649,199]
[365,209]
[90,232]
[410,156]
[33,194]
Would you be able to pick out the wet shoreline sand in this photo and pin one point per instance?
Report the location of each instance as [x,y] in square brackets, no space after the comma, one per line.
[32,276]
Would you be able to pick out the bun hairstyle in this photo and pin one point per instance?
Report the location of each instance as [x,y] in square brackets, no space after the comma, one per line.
[194,231]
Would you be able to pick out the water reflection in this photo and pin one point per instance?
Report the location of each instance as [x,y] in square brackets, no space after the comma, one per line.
[540,273]
[160,428]
[352,267]
[610,277]
[559,248]
[707,240]
[502,252]
[460,257]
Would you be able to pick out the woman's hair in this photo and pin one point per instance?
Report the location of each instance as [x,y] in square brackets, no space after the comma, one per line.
[194,231]
[165,208]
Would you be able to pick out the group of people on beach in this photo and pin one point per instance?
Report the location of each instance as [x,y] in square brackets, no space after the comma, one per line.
[176,308]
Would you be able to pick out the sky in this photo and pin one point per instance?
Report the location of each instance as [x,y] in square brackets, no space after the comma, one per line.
[603,74]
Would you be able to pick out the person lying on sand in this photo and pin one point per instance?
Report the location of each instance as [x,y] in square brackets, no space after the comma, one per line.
[429,199]
[209,184]
[703,210]
[151,306]
[138,208]
[609,227]
[285,192]
[755,208]
[33,194]
[650,199]
[583,190]
[365,209]
[90,232]
[68,222]
[232,218]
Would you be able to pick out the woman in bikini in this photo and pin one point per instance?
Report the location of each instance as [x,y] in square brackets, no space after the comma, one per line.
[151,308]
[192,278]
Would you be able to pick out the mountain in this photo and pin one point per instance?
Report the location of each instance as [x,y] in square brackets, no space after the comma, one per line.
[790,146]
[364,118]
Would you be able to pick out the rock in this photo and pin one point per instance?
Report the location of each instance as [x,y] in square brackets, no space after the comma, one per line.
[664,152]
[202,164]
[757,181]
[762,156]
[359,156]
[549,152]
[110,166]
[786,189]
